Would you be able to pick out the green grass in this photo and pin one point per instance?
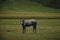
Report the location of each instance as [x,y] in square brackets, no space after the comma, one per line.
[27,7]
[11,29]
[47,29]
[37,15]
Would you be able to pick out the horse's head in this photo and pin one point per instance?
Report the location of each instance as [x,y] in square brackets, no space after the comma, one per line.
[22,21]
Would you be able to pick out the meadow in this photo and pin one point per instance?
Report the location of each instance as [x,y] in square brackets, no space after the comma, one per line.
[48,21]
[36,15]
[47,29]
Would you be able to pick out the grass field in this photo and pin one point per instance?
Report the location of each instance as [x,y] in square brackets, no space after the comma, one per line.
[47,29]
[15,14]
[11,29]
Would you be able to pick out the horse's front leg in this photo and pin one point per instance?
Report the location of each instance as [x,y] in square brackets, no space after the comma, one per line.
[33,29]
[24,29]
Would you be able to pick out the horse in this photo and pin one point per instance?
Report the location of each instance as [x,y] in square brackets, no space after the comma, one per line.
[28,23]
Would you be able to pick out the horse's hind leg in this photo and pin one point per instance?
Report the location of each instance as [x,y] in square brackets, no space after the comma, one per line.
[34,27]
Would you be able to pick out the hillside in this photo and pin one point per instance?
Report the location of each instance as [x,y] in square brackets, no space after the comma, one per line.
[26,6]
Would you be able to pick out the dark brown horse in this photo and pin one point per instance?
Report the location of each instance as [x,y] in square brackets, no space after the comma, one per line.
[27,23]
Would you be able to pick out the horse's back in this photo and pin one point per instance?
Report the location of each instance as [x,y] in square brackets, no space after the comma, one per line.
[31,20]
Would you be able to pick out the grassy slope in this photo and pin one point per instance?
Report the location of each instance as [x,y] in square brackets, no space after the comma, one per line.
[27,9]
[47,29]
[14,14]
[26,6]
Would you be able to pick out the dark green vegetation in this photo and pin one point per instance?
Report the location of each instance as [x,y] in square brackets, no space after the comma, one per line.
[26,6]
[47,29]
[49,3]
